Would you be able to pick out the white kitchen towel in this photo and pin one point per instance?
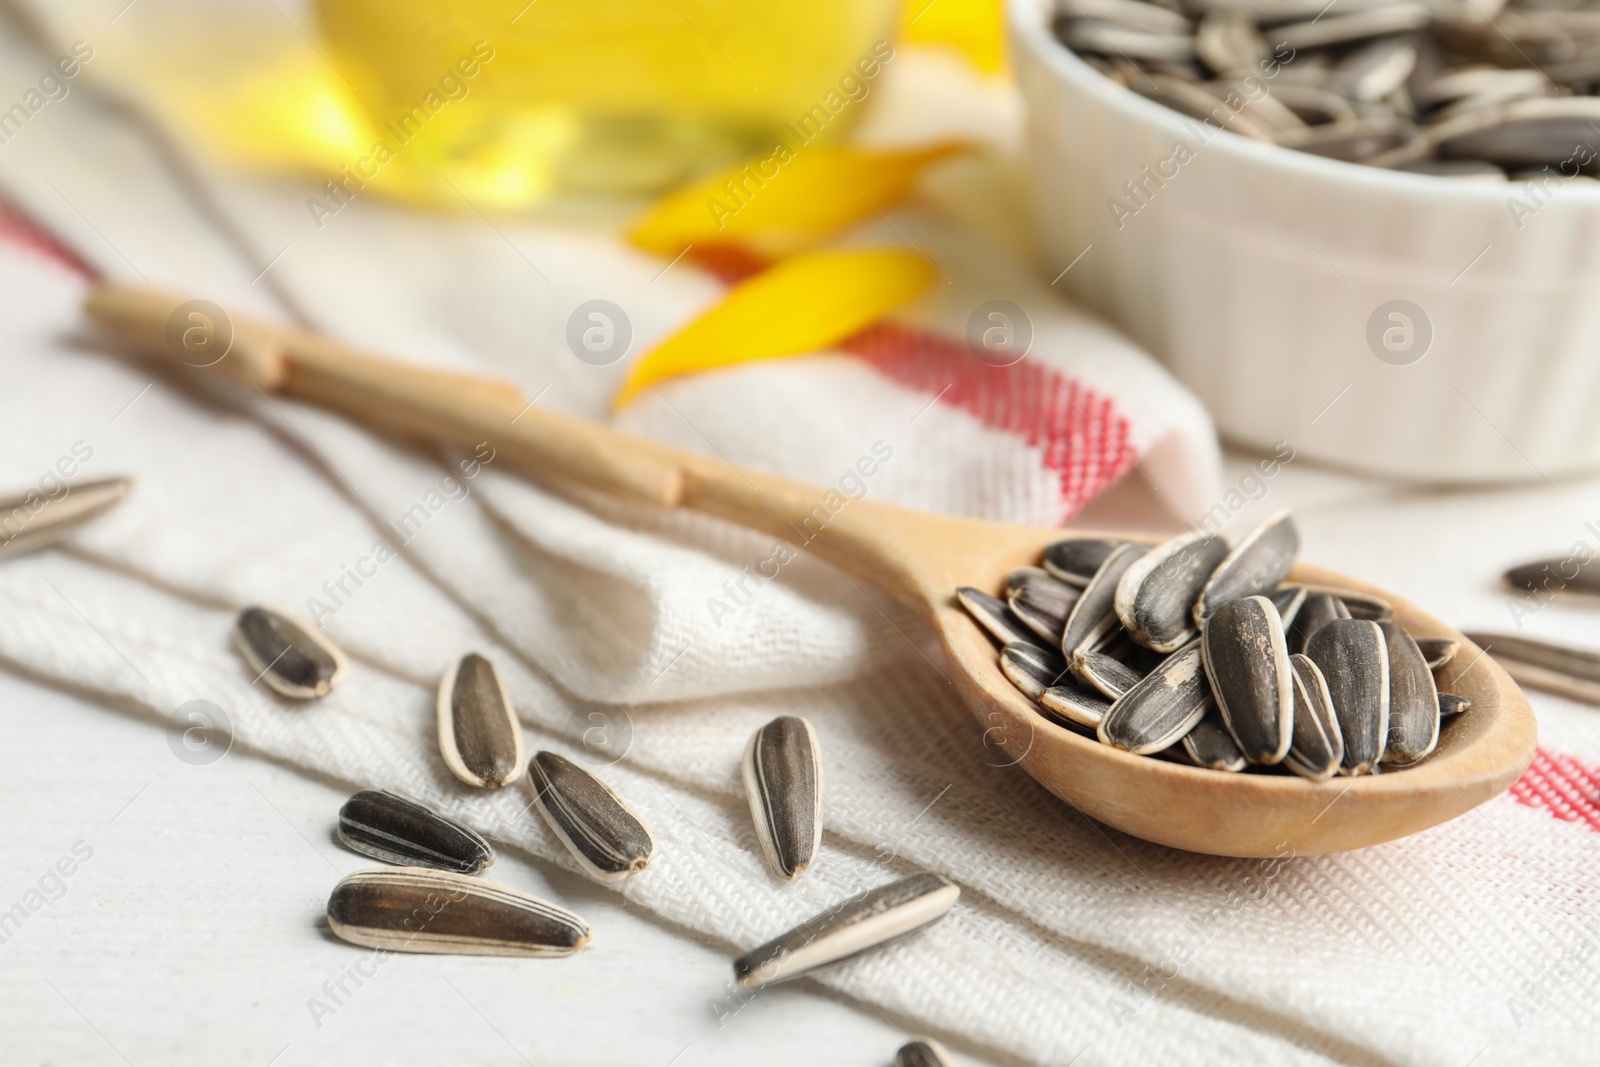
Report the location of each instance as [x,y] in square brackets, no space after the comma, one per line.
[1072,940]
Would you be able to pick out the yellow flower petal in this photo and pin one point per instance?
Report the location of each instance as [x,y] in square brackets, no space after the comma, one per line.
[786,201]
[803,304]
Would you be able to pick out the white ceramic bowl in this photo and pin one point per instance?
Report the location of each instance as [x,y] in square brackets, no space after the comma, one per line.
[1256,272]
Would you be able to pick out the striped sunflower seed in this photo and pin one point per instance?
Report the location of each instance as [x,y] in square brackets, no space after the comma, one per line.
[1162,708]
[1042,604]
[479,736]
[1255,566]
[1075,560]
[783,781]
[1450,704]
[1358,26]
[1550,575]
[1210,745]
[1075,704]
[1094,616]
[1354,659]
[1032,669]
[289,654]
[1360,605]
[1438,650]
[923,1052]
[994,616]
[413,909]
[1021,576]
[1289,600]
[1413,700]
[1104,673]
[1318,746]
[609,841]
[1319,610]
[33,520]
[860,924]
[1571,672]
[1248,663]
[1156,594]
[396,830]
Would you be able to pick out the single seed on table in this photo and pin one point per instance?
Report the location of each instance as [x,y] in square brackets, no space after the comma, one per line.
[783,781]
[1571,672]
[1210,745]
[1353,657]
[396,830]
[1289,601]
[1164,706]
[289,655]
[1438,650]
[1104,673]
[1319,610]
[1042,604]
[1094,616]
[413,909]
[860,924]
[1076,704]
[57,517]
[606,837]
[1413,700]
[1318,746]
[1075,560]
[1450,704]
[1551,574]
[1032,669]
[923,1052]
[1247,661]
[1255,566]
[994,616]
[1156,595]
[479,736]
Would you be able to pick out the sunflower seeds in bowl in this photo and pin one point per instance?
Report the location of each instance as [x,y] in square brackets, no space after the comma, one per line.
[1281,677]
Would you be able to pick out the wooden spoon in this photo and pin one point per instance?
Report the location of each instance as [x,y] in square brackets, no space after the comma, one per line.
[917,557]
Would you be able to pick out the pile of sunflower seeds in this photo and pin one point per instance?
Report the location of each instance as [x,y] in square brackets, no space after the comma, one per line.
[1474,89]
[1196,652]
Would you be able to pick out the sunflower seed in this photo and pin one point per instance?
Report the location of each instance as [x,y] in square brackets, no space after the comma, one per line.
[860,924]
[1314,105]
[1227,41]
[1438,650]
[1550,575]
[603,834]
[1289,601]
[1319,610]
[33,520]
[1156,594]
[396,830]
[1344,29]
[1255,566]
[1082,35]
[413,909]
[1450,704]
[1354,659]
[1104,673]
[1359,605]
[1500,85]
[1132,14]
[1075,560]
[923,1052]
[1571,672]
[1075,704]
[1094,616]
[784,783]
[1021,576]
[1318,746]
[1210,745]
[1375,70]
[288,654]
[1413,699]
[1365,139]
[995,617]
[1042,604]
[1163,707]
[1031,669]
[1248,664]
[1186,98]
[1522,132]
[479,735]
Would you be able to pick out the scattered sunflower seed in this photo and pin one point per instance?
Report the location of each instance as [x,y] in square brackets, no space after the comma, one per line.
[1031,669]
[413,909]
[923,1052]
[33,520]
[1318,745]
[994,616]
[1042,604]
[1438,650]
[1104,673]
[1210,745]
[1075,704]
[1075,560]
[784,783]
[1550,575]
[479,735]
[604,835]
[396,830]
[1094,616]
[1156,595]
[1353,657]
[1164,706]
[288,654]
[860,924]
[1255,566]
[1248,663]
[1571,672]
[1450,704]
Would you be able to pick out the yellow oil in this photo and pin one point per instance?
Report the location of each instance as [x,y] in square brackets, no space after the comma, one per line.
[510,101]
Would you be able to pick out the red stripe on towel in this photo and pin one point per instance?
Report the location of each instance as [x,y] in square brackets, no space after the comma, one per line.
[16,228]
[1561,785]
